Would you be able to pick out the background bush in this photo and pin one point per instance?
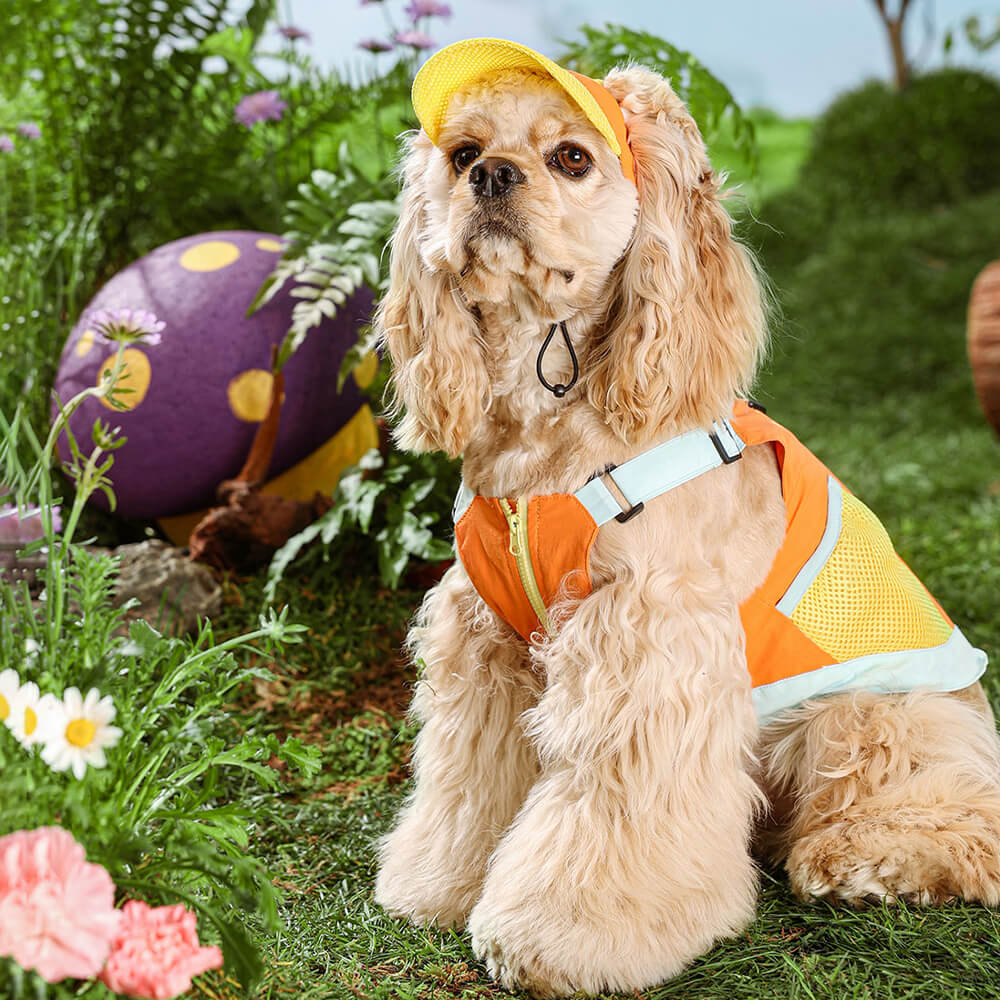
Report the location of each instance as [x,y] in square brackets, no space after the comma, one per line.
[876,151]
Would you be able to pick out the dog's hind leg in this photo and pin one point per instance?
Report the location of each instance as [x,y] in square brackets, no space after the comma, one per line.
[630,855]
[889,796]
[471,762]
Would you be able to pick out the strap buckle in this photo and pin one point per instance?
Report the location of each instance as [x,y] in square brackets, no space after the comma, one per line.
[728,457]
[625,515]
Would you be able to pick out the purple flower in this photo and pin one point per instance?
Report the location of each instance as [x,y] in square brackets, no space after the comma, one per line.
[375,44]
[29,130]
[293,34]
[264,105]
[6,144]
[417,9]
[21,530]
[126,326]
[415,39]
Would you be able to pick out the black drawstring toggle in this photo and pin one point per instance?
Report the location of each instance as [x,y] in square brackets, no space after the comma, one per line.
[559,389]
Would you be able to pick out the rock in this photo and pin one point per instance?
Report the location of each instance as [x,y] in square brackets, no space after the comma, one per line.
[172,591]
[984,340]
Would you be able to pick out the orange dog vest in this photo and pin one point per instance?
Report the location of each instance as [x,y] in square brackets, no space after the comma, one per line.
[839,610]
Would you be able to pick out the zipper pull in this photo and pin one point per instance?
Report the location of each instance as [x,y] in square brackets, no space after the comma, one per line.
[513,526]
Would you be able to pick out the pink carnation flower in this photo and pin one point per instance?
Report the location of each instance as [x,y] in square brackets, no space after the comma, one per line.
[156,952]
[57,911]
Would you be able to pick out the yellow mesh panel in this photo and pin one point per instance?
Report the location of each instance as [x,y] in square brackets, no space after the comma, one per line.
[866,599]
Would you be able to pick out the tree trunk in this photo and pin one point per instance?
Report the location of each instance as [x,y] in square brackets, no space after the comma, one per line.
[894,28]
[900,67]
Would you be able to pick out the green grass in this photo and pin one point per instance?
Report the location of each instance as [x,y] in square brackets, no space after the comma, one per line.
[869,368]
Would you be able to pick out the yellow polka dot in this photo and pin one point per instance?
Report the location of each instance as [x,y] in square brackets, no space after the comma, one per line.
[250,394]
[85,343]
[135,377]
[366,369]
[266,244]
[212,255]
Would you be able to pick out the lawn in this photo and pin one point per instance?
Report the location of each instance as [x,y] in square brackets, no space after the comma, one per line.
[868,366]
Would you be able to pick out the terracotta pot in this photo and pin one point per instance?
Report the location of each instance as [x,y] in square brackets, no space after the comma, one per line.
[984,340]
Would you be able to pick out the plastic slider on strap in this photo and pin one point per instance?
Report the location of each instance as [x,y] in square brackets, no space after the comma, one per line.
[727,444]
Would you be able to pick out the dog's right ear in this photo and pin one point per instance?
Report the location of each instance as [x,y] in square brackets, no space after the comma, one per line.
[439,378]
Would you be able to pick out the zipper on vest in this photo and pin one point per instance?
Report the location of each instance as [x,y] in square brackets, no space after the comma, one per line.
[517,521]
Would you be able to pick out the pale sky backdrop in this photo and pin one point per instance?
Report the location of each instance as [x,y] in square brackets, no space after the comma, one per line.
[792,55]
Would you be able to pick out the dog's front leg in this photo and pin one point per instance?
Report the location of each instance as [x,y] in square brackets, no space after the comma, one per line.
[629,857]
[472,763]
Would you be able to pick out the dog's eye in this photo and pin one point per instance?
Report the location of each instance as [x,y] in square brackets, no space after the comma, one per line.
[570,159]
[464,157]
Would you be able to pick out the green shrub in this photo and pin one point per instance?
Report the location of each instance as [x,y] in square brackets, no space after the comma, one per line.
[935,143]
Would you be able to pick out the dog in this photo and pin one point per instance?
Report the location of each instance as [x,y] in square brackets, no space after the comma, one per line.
[566,295]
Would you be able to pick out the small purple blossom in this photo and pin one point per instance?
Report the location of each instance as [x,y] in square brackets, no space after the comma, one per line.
[376,45]
[294,34]
[415,39]
[6,144]
[20,530]
[29,130]
[126,326]
[417,9]
[264,105]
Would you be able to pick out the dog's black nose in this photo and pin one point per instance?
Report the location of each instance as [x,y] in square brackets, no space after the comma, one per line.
[493,177]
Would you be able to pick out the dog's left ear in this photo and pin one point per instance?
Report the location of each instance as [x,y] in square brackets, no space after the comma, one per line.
[686,325]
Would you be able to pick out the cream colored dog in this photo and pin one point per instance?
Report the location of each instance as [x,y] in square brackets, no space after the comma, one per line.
[584,804]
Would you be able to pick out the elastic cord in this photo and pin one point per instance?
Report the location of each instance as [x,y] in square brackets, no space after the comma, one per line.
[559,389]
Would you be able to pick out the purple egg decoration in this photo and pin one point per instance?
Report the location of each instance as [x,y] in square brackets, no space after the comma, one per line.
[200,393]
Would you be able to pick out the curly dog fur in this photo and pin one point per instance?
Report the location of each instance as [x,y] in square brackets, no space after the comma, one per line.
[585,805]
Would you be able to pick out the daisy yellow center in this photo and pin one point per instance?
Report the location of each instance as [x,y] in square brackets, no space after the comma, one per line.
[4,707]
[80,732]
[30,721]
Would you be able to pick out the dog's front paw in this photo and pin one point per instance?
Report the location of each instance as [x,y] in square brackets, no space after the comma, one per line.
[426,879]
[520,956]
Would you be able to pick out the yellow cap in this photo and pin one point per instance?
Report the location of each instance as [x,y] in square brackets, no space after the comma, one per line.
[456,65]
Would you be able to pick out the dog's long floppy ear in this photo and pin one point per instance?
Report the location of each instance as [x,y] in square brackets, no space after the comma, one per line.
[686,323]
[439,377]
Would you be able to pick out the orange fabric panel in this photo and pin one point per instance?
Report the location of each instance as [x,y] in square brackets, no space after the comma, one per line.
[804,488]
[775,648]
[560,534]
[483,542]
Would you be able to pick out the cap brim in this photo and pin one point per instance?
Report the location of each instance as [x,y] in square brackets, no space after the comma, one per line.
[463,62]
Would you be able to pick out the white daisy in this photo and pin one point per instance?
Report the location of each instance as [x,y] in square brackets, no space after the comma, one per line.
[30,712]
[10,684]
[79,731]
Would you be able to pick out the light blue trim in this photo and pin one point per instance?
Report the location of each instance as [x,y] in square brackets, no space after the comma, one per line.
[462,501]
[953,665]
[812,566]
[660,470]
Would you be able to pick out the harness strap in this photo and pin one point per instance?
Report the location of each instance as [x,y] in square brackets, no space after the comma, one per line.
[662,469]
[650,474]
